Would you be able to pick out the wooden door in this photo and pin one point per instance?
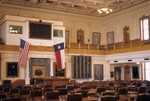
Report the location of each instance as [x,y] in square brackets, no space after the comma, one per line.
[127,73]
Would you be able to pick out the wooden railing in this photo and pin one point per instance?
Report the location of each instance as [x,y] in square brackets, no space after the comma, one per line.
[131,43]
[85,46]
[118,45]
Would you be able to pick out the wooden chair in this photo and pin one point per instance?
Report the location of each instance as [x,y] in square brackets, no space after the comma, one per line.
[14,92]
[84,88]
[70,87]
[27,87]
[83,92]
[6,83]
[122,91]
[47,86]
[142,97]
[107,93]
[141,90]
[6,89]
[46,89]
[100,90]
[36,88]
[35,93]
[1,88]
[74,97]
[148,91]
[49,95]
[3,95]
[123,94]
[24,92]
[14,99]
[62,91]
[109,98]
[20,87]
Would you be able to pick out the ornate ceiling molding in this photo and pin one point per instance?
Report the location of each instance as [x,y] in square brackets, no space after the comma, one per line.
[5,5]
[82,7]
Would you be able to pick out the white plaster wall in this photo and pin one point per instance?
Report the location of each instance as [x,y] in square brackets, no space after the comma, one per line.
[72,22]
[128,17]
[2,34]
[14,39]
[9,57]
[13,57]
[124,57]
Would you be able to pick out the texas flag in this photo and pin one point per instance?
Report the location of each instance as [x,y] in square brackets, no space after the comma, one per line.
[59,52]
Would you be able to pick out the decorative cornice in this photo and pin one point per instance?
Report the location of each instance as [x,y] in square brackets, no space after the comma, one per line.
[46,10]
[76,7]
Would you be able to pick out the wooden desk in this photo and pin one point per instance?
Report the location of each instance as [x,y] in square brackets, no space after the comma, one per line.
[56,81]
[90,99]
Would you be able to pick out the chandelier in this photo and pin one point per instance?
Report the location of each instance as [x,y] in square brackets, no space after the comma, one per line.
[104,10]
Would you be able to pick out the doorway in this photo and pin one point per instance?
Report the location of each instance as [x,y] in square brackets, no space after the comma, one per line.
[127,73]
[117,73]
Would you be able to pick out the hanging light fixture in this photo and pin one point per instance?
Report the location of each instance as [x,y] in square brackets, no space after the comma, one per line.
[104,10]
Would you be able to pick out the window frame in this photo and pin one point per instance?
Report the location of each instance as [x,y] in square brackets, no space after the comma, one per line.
[142,28]
[11,32]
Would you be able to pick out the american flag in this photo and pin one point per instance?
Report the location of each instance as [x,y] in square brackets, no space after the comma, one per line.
[59,52]
[23,55]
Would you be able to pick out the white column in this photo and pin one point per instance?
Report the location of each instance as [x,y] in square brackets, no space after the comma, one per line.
[27,78]
[51,68]
[107,71]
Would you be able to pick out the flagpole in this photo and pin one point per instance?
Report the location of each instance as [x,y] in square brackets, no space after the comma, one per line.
[23,59]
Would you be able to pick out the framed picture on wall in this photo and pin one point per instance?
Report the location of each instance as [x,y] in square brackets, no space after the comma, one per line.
[96,38]
[80,36]
[38,71]
[110,37]
[98,72]
[12,69]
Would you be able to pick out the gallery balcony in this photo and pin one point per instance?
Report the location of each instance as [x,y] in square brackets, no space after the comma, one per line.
[75,48]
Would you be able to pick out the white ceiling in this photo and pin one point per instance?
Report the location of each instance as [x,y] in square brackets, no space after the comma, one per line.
[85,7]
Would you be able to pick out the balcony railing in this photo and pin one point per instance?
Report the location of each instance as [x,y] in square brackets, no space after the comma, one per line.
[114,46]
[85,46]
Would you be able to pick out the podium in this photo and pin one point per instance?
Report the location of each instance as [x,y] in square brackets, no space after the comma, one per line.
[56,81]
